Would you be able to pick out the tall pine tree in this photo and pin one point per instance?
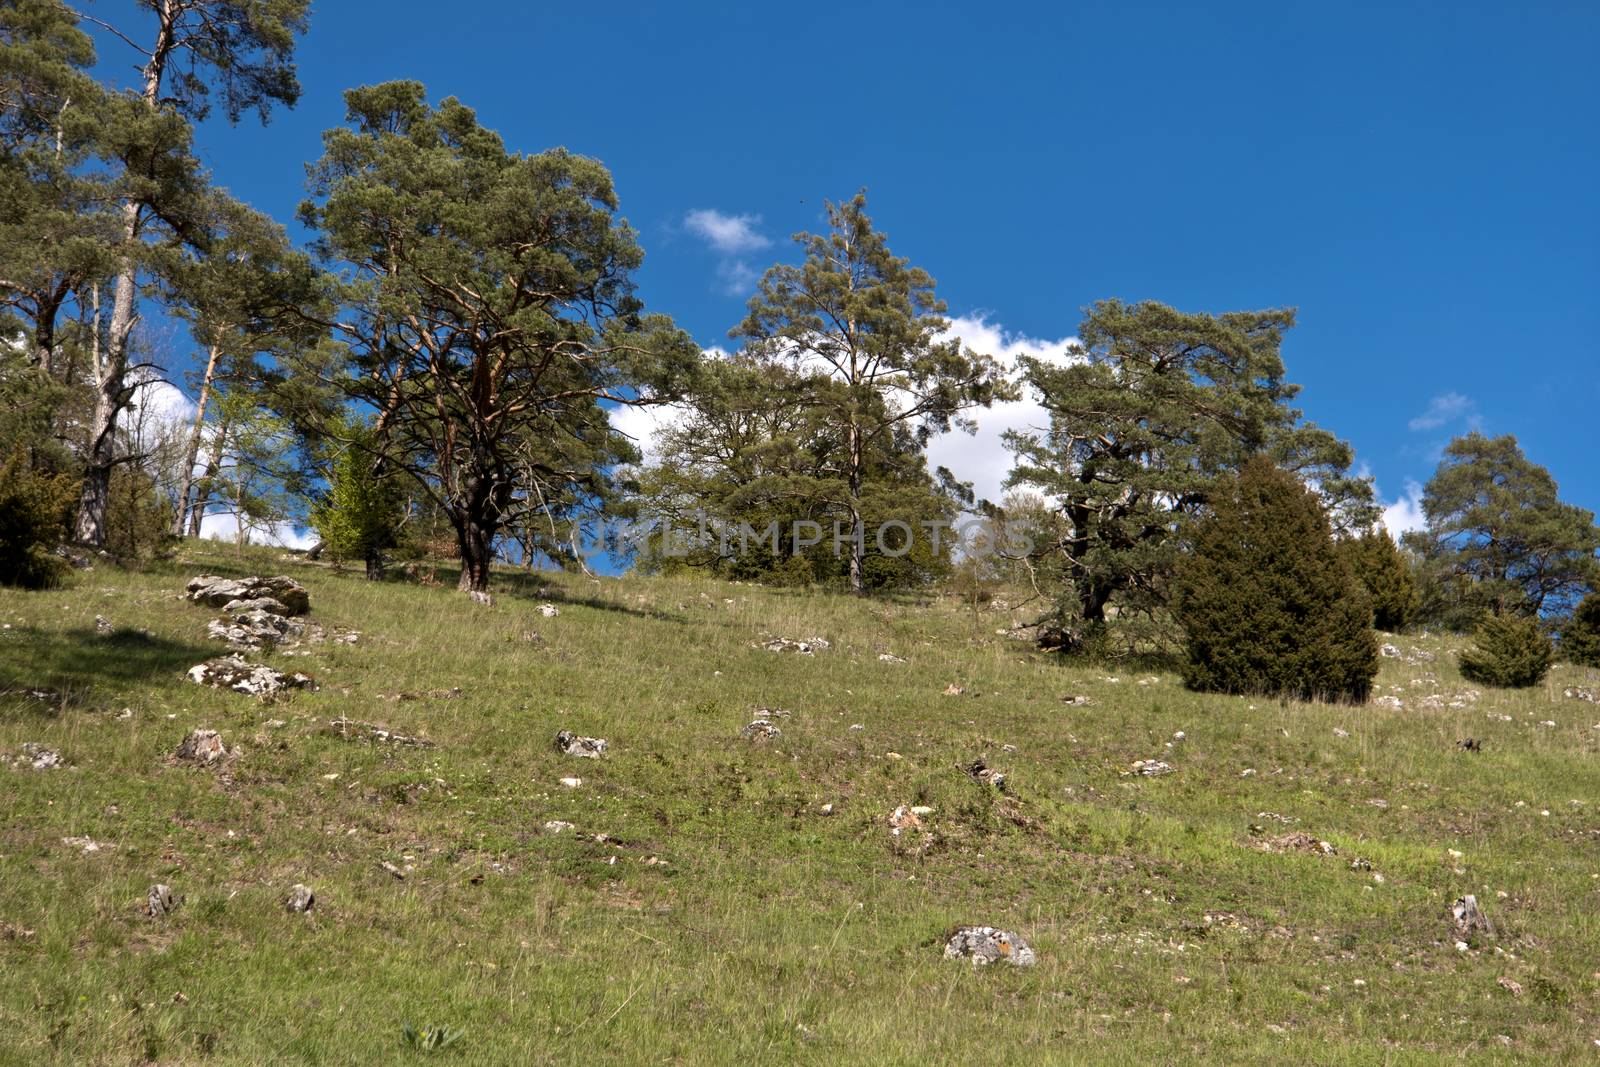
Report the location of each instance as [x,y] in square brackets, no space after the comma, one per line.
[870,322]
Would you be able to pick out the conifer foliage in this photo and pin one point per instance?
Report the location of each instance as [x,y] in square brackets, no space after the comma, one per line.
[360,514]
[1509,651]
[1580,637]
[1377,564]
[32,522]
[1268,604]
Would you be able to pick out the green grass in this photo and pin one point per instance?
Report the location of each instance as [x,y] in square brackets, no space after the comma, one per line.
[771,933]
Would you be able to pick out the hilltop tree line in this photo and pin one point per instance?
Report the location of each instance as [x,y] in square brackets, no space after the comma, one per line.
[434,372]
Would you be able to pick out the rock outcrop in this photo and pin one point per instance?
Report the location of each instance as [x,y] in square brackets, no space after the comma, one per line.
[237,594]
[254,679]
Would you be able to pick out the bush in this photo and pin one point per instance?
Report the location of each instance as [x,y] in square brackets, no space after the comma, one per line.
[1509,651]
[1580,637]
[34,510]
[1383,571]
[1266,600]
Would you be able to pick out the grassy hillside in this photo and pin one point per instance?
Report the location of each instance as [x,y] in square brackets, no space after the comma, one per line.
[706,909]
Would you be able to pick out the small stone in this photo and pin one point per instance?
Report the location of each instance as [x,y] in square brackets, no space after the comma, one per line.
[1510,985]
[37,757]
[570,744]
[980,771]
[253,679]
[954,690]
[760,731]
[301,899]
[572,783]
[889,657]
[390,869]
[102,626]
[1151,768]
[807,647]
[558,826]
[203,747]
[987,944]
[904,818]
[549,611]
[161,901]
[1469,919]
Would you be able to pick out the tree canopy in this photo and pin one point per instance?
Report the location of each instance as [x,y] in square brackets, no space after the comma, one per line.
[1498,536]
[487,306]
[1152,411]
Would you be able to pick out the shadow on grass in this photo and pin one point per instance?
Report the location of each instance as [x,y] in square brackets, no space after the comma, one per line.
[54,670]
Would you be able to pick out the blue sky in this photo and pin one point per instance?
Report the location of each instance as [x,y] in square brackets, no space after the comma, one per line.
[1418,179]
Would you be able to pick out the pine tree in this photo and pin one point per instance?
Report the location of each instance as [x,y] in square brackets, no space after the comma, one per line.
[870,322]
[1156,409]
[488,307]
[1499,538]
[1580,637]
[358,517]
[1383,571]
[1509,651]
[1267,602]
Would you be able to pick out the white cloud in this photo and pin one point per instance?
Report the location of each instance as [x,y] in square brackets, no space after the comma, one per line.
[731,235]
[224,526]
[1444,409]
[163,402]
[642,423]
[732,238]
[982,458]
[1405,514]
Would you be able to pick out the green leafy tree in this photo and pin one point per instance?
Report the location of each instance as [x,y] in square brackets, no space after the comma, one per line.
[1383,570]
[1498,537]
[33,521]
[1265,598]
[1509,651]
[56,234]
[1155,411]
[488,306]
[871,323]
[196,52]
[750,482]
[1580,636]
[359,515]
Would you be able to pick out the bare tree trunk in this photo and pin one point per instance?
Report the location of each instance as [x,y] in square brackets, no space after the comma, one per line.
[193,454]
[476,522]
[474,541]
[110,396]
[111,391]
[857,530]
[197,512]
